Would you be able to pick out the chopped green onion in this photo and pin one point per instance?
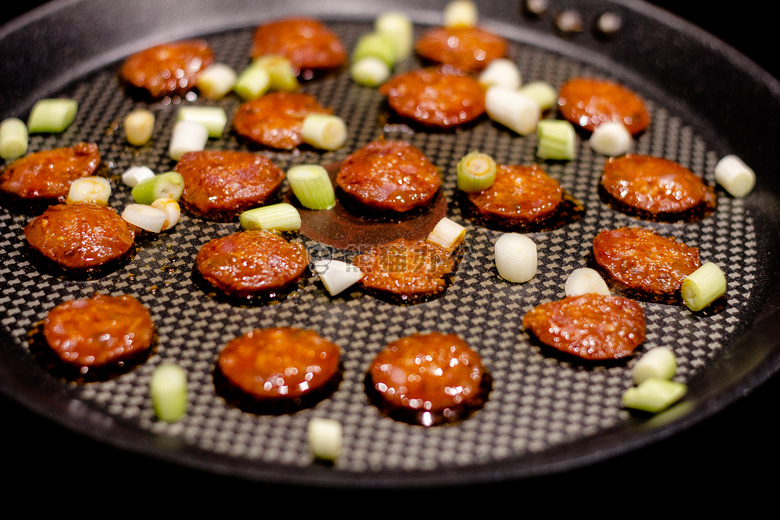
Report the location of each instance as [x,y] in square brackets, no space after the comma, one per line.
[542,92]
[460,13]
[311,185]
[172,211]
[611,138]
[398,26]
[653,394]
[557,140]
[476,171]
[337,275]
[735,176]
[585,280]
[275,217]
[282,74]
[515,257]
[512,109]
[703,286]
[135,174]
[13,138]
[253,82]
[369,72]
[96,190]
[503,72]
[658,362]
[376,45]
[325,438]
[187,136]
[324,131]
[168,390]
[52,115]
[168,185]
[145,217]
[212,117]
[216,81]
[139,126]
[447,233]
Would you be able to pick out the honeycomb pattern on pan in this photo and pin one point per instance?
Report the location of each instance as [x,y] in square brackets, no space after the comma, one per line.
[539,401]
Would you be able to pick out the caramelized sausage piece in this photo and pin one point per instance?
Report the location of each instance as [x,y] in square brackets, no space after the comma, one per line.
[221,184]
[276,119]
[655,188]
[434,98]
[641,263]
[44,178]
[307,43]
[468,49]
[590,326]
[167,69]
[249,264]
[589,102]
[278,369]
[428,379]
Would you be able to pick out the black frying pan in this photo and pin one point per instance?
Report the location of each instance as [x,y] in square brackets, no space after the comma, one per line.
[725,88]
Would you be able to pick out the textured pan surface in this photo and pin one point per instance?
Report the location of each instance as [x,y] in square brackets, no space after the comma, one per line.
[544,409]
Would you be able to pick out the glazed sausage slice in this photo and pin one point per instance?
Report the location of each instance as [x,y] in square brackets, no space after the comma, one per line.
[388,177]
[276,119]
[278,369]
[44,178]
[434,98]
[428,379]
[80,238]
[307,43]
[406,270]
[167,69]
[252,264]
[221,184]
[468,49]
[655,188]
[641,263]
[589,326]
[101,334]
[589,102]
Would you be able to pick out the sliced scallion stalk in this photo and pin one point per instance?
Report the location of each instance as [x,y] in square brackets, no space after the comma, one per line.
[654,395]
[168,185]
[703,286]
[503,72]
[377,45]
[611,139]
[324,131]
[216,81]
[476,171]
[658,362]
[187,136]
[512,109]
[557,140]
[139,126]
[145,217]
[461,13]
[735,176]
[275,217]
[52,115]
[14,138]
[311,185]
[584,280]
[282,74]
[212,117]
[168,390]
[172,211]
[447,233]
[135,174]
[542,92]
[325,438]
[515,257]
[369,72]
[252,82]
[398,26]
[337,275]
[94,189]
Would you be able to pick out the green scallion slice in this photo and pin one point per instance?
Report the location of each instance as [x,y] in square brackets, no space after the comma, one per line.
[311,185]
[376,45]
[168,185]
[476,171]
[398,26]
[252,82]
[542,92]
[653,394]
[325,438]
[139,126]
[658,362]
[281,73]
[94,189]
[52,115]
[557,140]
[703,286]
[324,131]
[369,72]
[168,390]
[13,138]
[212,117]
[275,217]
[216,81]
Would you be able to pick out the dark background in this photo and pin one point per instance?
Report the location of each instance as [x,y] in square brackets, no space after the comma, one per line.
[732,456]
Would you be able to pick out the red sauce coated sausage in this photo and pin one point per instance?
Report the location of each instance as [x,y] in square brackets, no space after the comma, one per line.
[590,326]
[589,102]
[307,43]
[468,49]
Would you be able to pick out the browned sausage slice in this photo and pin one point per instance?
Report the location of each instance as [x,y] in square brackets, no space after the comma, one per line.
[278,369]
[220,184]
[388,176]
[276,119]
[167,69]
[655,188]
[307,43]
[252,264]
[428,379]
[590,326]
[434,98]
[589,102]
[468,49]
[44,178]
[641,263]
